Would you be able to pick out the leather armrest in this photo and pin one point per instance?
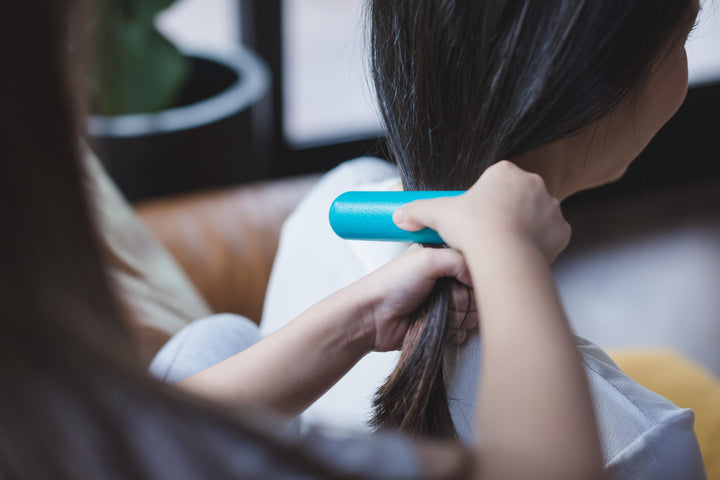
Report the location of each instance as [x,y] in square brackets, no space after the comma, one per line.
[226,240]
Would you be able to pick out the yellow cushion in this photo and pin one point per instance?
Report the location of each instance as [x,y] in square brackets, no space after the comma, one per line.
[687,385]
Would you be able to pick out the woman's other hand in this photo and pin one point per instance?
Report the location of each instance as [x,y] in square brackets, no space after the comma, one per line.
[398,288]
[506,205]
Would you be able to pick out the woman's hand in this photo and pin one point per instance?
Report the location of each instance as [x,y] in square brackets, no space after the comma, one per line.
[290,369]
[398,288]
[505,205]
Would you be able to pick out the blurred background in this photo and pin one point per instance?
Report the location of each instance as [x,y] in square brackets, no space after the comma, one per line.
[279,88]
[312,105]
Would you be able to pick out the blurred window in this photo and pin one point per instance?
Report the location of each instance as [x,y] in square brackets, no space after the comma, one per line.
[327,95]
[703,46]
[202,24]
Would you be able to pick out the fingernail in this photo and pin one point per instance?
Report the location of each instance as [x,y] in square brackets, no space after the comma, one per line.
[398,215]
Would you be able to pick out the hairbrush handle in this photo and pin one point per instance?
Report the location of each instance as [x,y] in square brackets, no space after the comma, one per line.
[368,216]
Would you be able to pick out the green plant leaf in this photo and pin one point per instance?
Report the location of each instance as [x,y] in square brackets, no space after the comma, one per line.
[135,69]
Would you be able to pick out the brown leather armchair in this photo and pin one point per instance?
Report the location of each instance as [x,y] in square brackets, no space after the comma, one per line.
[225,240]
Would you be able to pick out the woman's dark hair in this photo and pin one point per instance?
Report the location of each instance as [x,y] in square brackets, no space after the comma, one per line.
[75,400]
[463,84]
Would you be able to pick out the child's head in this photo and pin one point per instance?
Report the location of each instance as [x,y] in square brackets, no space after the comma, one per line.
[464,84]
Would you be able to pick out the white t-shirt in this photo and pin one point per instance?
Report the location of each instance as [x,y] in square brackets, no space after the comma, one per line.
[643,434]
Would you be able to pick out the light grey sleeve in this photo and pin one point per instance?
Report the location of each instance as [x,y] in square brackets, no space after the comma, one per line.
[667,451]
[190,444]
[228,453]
[370,455]
[202,344]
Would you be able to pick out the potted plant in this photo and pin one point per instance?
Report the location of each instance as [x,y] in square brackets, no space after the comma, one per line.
[166,121]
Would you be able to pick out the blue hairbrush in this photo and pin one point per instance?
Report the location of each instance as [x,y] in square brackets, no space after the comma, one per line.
[368,216]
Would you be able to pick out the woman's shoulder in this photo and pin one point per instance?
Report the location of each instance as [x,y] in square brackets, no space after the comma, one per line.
[312,261]
[644,432]
[364,173]
[647,408]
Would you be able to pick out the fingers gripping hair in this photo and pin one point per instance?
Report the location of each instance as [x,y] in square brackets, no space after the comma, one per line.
[414,398]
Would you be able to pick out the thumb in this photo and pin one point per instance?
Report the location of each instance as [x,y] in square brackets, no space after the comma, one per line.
[419,214]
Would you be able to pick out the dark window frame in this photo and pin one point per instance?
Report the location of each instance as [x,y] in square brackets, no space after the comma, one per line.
[680,154]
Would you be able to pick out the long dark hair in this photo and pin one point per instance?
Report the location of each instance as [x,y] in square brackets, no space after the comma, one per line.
[464,84]
[75,400]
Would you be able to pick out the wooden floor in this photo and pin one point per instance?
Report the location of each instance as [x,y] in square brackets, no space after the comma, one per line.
[644,270]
